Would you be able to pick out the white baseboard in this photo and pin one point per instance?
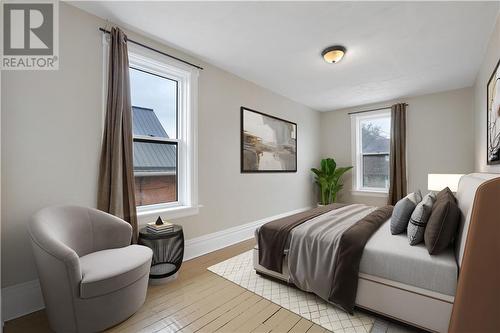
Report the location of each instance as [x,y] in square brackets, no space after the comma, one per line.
[24,298]
[199,246]
[20,299]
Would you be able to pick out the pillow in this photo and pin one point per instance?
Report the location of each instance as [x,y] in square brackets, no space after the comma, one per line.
[419,218]
[443,223]
[402,212]
[446,192]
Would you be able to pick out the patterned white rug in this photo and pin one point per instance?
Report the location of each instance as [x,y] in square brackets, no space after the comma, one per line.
[240,270]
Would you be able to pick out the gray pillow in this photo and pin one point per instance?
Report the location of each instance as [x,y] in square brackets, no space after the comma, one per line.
[402,212]
[419,218]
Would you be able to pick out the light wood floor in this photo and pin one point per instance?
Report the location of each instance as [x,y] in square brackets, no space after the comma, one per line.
[197,301]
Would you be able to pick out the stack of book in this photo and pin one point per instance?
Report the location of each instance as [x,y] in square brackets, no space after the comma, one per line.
[159,227]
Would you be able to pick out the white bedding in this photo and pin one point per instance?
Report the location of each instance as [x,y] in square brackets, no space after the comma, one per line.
[391,257]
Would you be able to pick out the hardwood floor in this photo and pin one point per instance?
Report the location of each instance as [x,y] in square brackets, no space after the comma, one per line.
[197,301]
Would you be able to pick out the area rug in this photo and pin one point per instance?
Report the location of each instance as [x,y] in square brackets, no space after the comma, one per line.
[240,270]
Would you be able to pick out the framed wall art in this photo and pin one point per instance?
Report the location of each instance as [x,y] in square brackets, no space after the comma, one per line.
[493,116]
[268,143]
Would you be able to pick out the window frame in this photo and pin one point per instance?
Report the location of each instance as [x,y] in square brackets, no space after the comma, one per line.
[186,140]
[357,153]
[175,141]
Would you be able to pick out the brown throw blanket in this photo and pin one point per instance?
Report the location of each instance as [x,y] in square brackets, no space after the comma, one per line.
[348,257]
[273,235]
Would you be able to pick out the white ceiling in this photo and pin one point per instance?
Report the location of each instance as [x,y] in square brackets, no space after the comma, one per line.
[394,49]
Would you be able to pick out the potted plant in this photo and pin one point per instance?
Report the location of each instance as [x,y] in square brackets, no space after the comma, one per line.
[328,179]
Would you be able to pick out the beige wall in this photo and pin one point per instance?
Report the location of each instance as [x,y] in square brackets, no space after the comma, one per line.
[439,139]
[489,62]
[51,132]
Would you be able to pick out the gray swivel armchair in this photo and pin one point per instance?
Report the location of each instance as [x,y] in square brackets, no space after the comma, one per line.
[91,277]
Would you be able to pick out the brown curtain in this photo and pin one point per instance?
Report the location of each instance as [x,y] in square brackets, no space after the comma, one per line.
[116,177]
[397,189]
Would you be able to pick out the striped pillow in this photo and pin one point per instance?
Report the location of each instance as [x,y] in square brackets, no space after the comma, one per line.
[419,218]
[402,212]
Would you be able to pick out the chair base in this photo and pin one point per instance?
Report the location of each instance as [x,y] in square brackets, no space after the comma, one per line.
[120,305]
[99,313]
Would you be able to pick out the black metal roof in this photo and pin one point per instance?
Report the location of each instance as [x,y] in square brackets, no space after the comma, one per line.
[147,123]
[152,156]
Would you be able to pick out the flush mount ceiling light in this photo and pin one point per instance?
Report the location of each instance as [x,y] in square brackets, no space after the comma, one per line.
[333,54]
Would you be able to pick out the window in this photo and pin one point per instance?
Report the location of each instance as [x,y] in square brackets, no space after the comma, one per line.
[154,112]
[163,96]
[371,142]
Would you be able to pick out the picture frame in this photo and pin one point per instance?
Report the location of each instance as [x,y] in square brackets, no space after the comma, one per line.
[268,144]
[493,117]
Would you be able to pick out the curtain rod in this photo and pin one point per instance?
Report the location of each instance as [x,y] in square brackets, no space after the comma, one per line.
[377,109]
[155,50]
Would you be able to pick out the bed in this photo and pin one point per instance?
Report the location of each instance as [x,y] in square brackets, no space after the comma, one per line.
[401,281]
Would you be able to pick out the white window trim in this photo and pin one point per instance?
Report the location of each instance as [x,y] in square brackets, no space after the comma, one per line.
[187,78]
[356,154]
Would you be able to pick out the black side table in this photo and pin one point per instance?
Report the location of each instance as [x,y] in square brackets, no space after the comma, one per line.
[168,251]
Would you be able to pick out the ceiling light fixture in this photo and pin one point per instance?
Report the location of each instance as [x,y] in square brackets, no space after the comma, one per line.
[333,54]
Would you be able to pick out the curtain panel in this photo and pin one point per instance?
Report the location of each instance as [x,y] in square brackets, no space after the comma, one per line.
[116,175]
[397,164]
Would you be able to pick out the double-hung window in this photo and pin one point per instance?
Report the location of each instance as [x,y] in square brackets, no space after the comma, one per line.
[163,96]
[371,150]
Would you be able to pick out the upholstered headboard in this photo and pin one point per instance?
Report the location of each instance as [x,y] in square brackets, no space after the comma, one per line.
[465,196]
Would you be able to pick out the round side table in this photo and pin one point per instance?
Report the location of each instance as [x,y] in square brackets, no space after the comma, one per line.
[168,251]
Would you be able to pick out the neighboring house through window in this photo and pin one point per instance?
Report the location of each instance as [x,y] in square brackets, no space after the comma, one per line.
[155,159]
[164,100]
[371,148]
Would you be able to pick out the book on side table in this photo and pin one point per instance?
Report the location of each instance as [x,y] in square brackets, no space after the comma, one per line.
[160,227]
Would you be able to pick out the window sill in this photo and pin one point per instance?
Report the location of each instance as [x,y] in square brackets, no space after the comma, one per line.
[149,215]
[370,193]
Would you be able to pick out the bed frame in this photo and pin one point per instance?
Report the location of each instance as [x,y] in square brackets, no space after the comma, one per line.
[418,307]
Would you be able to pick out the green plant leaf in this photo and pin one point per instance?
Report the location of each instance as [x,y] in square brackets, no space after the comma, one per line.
[340,171]
[328,179]
[317,172]
[332,164]
[324,166]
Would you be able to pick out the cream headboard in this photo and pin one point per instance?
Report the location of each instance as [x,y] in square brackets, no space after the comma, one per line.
[465,196]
